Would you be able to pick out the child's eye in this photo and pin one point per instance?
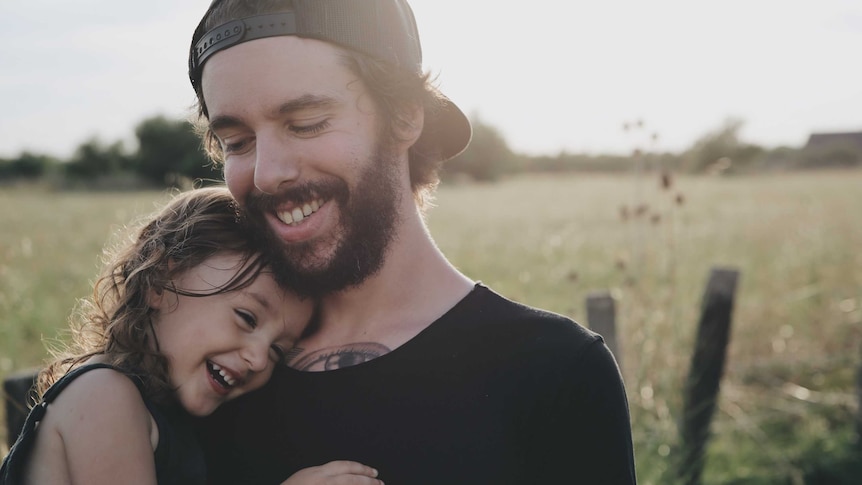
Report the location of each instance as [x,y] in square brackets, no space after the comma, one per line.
[248,318]
[278,354]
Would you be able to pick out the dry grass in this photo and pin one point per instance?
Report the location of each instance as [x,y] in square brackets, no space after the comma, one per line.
[797,326]
[549,241]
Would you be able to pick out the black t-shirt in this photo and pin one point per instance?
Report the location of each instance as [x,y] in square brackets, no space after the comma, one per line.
[493,392]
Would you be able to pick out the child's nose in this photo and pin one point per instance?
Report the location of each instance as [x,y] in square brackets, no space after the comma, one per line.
[256,355]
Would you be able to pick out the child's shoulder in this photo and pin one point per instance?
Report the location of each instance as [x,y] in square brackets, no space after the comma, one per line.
[95,425]
[99,397]
[100,385]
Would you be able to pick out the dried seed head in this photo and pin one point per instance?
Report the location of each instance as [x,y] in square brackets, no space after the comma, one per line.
[666,179]
[621,263]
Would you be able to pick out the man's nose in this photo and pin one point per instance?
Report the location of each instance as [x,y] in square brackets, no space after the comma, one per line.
[276,164]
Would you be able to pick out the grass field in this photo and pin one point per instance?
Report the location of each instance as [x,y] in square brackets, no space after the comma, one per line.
[787,402]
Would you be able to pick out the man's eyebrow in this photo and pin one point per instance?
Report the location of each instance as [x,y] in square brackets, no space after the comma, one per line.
[222,122]
[307,101]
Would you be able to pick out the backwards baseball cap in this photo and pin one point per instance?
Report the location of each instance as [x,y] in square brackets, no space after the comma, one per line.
[382,29]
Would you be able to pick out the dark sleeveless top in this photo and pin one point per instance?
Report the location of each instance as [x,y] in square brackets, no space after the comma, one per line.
[178,456]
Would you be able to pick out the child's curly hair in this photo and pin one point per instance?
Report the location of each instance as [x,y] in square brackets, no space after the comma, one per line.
[115,320]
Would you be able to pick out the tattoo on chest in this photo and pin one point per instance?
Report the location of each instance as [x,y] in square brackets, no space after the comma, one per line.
[332,358]
[292,354]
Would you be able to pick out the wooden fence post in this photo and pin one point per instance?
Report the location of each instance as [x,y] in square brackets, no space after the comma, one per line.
[859,407]
[707,365]
[16,392]
[601,318]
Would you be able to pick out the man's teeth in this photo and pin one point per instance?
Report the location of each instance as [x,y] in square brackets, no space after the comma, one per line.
[227,378]
[296,215]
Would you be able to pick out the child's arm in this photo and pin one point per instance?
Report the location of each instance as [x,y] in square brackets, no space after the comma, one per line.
[335,473]
[105,429]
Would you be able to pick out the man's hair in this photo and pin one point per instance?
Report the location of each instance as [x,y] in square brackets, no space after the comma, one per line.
[116,320]
[395,91]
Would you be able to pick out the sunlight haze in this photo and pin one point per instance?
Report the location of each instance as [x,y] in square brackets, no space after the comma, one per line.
[550,76]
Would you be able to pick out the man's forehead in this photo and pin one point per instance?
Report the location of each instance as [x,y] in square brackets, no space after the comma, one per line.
[283,72]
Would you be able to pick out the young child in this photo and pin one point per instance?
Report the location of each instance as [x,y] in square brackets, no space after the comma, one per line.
[184,318]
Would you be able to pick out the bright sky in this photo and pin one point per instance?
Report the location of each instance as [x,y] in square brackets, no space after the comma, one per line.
[550,75]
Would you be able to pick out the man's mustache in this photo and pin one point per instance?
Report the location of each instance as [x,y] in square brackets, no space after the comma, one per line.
[260,202]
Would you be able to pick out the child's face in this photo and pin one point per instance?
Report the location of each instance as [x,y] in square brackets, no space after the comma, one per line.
[222,346]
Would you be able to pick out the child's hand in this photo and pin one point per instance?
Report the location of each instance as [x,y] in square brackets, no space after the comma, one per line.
[335,473]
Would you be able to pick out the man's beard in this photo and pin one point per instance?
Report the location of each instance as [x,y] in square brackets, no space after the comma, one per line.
[368,215]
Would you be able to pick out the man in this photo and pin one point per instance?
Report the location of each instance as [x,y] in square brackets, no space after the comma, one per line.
[331,138]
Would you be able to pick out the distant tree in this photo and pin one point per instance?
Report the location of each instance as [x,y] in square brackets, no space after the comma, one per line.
[27,166]
[779,159]
[722,148]
[94,158]
[170,150]
[486,158]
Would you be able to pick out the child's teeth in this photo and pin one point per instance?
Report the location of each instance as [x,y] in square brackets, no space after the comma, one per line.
[226,376]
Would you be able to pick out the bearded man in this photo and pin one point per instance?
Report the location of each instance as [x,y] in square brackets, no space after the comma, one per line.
[331,137]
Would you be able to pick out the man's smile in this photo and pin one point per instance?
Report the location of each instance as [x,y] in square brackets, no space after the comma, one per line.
[297,214]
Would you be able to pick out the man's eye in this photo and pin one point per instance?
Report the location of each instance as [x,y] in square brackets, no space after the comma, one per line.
[236,147]
[310,129]
[247,318]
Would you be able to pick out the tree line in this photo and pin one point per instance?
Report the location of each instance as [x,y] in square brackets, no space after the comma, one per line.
[169,153]
[719,151]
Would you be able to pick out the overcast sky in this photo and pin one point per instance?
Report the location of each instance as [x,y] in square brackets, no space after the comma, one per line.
[550,75]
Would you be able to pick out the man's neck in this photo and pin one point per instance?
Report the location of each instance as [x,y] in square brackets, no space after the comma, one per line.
[415,286]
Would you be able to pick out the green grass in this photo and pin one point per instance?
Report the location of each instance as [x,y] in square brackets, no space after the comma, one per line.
[787,401]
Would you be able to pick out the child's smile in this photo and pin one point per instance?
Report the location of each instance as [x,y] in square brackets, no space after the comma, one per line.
[222,345]
[223,379]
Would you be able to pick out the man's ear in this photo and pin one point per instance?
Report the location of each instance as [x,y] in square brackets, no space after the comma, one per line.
[408,126]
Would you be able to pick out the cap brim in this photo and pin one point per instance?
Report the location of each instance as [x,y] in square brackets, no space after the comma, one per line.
[449,131]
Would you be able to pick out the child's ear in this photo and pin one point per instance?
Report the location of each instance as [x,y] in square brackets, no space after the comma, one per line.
[155,298]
